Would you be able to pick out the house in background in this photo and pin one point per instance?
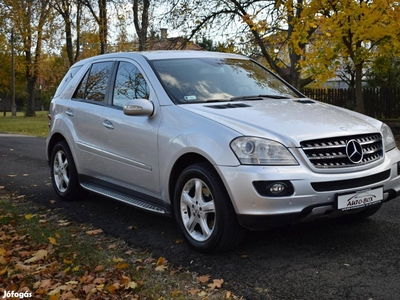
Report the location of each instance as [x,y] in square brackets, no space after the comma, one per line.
[174,43]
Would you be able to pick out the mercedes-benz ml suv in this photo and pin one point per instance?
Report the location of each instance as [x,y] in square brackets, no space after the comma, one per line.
[215,140]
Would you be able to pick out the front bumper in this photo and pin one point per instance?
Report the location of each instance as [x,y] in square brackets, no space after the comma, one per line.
[314,194]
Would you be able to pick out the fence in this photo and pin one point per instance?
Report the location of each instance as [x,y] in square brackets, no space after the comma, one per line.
[378,103]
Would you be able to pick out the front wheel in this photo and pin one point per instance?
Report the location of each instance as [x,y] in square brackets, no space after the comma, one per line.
[63,173]
[204,210]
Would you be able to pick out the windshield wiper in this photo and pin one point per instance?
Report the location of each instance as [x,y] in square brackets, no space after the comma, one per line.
[258,97]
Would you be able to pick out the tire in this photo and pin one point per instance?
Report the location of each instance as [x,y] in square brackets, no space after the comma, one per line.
[64,176]
[204,211]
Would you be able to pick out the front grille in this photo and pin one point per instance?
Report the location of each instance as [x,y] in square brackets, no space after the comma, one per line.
[350,183]
[331,152]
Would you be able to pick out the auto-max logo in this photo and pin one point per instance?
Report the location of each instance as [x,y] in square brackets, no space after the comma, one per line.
[354,151]
[361,199]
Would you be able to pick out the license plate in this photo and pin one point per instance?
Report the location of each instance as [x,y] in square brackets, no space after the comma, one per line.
[360,199]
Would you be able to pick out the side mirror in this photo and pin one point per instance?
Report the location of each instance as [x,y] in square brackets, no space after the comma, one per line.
[139,107]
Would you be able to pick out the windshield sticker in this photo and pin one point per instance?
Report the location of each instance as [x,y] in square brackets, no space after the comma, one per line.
[189,98]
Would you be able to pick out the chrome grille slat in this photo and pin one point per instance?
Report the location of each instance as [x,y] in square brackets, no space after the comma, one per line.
[331,152]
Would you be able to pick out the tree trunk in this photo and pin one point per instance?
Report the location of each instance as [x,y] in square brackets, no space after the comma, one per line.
[141,25]
[30,105]
[103,26]
[359,91]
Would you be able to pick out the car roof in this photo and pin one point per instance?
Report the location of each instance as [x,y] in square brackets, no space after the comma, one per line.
[163,54]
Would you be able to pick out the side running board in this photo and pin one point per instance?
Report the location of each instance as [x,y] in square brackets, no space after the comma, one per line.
[123,198]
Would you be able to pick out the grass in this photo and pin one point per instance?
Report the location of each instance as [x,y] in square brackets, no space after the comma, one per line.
[35,126]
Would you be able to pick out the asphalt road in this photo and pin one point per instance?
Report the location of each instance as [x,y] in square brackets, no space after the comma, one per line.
[325,260]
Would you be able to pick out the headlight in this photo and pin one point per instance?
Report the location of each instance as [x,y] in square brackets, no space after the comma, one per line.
[388,137]
[257,151]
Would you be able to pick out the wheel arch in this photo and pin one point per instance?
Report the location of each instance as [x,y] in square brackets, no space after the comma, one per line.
[180,164]
[55,138]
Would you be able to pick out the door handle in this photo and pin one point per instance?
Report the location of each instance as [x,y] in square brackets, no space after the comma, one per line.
[69,112]
[107,124]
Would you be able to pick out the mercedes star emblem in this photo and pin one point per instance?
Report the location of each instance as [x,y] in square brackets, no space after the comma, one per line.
[354,151]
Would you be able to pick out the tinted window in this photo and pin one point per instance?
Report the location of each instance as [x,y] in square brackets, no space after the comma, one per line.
[67,78]
[94,84]
[129,84]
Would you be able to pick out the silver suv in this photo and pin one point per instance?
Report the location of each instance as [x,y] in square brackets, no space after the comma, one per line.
[216,141]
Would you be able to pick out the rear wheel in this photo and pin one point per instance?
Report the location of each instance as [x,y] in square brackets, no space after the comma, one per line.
[204,210]
[63,173]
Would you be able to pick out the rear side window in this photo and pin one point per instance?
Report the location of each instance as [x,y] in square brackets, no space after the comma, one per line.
[129,84]
[67,78]
[94,84]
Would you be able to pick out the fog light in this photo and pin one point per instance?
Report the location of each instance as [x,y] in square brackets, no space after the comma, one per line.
[278,188]
[281,188]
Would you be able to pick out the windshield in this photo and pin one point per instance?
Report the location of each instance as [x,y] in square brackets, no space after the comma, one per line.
[190,80]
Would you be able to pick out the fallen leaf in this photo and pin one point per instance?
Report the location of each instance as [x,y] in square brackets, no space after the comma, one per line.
[3,271]
[52,240]
[203,278]
[160,265]
[28,216]
[67,261]
[40,254]
[194,291]
[202,294]
[161,261]
[217,283]
[117,259]
[94,232]
[121,266]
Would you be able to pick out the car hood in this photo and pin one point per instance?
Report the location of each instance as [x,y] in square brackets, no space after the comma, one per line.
[289,121]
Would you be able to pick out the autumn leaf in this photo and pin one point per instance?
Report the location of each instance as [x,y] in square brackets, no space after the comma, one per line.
[112,288]
[194,291]
[63,223]
[217,283]
[52,240]
[117,259]
[202,294]
[94,232]
[160,265]
[122,266]
[67,261]
[203,278]
[3,260]
[28,216]
[40,254]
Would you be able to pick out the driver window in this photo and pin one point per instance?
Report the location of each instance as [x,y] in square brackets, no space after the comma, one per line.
[129,84]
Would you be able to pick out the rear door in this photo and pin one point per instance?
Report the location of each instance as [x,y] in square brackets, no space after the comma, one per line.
[85,113]
[130,142]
